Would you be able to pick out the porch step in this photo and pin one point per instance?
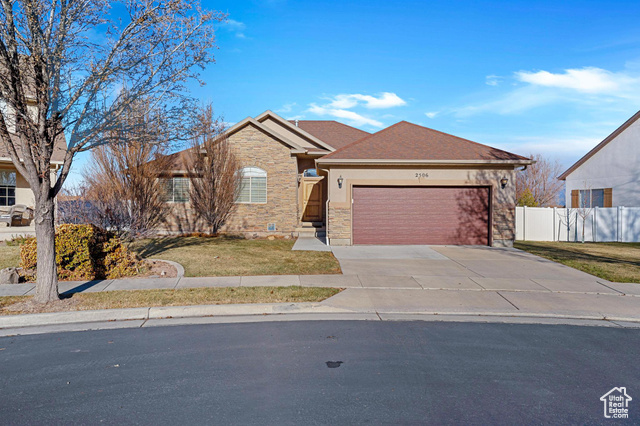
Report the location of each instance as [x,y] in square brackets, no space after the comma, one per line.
[312,224]
[311,231]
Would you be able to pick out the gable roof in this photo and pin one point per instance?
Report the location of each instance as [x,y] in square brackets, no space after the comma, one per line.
[332,132]
[601,145]
[276,135]
[408,142]
[288,126]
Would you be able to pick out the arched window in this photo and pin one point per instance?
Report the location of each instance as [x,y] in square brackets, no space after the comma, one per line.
[253,186]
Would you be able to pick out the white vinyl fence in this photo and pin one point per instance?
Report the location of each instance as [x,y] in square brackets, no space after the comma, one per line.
[558,224]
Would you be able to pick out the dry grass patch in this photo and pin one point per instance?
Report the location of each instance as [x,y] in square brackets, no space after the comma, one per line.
[9,256]
[152,298]
[227,256]
[618,262]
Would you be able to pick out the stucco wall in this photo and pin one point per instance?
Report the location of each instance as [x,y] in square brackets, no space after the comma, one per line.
[503,200]
[24,195]
[614,166]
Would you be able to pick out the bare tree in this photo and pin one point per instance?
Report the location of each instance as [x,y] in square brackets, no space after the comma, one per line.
[213,172]
[567,217]
[122,178]
[585,205]
[74,207]
[541,180]
[63,64]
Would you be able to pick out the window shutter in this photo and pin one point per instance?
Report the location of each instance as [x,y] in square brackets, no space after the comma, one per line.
[608,197]
[575,201]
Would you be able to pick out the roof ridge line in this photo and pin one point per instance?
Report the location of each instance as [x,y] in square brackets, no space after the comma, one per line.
[458,137]
[604,142]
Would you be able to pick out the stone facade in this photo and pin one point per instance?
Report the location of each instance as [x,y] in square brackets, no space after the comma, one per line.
[255,148]
[339,225]
[504,225]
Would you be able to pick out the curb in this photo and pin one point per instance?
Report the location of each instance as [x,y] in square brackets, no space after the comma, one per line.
[179,267]
[162,312]
[260,312]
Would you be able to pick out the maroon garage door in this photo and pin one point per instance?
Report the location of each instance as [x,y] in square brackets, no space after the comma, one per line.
[420,215]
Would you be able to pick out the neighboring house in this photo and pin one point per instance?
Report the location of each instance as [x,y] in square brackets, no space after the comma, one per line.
[609,174]
[406,184]
[14,189]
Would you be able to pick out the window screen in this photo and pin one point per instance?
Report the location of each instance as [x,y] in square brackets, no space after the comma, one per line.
[7,188]
[253,186]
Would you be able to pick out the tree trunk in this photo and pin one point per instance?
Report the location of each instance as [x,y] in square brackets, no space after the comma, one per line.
[47,271]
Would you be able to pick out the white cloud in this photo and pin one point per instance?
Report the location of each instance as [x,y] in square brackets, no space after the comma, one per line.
[493,80]
[588,87]
[557,145]
[286,108]
[432,114]
[236,27]
[352,117]
[514,102]
[585,80]
[383,100]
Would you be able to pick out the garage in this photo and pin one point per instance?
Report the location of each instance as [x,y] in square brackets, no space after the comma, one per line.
[421,215]
[408,184]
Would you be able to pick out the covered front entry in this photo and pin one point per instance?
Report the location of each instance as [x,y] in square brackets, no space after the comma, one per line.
[312,198]
[421,215]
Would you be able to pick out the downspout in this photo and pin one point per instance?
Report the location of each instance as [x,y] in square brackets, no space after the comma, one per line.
[326,208]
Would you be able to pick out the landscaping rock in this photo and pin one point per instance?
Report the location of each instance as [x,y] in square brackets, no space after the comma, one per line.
[9,276]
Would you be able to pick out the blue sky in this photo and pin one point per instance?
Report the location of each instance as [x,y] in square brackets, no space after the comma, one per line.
[544,77]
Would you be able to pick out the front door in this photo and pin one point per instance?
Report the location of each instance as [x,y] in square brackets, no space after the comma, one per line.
[311,189]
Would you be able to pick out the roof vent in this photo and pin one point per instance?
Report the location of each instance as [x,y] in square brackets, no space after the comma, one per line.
[296,123]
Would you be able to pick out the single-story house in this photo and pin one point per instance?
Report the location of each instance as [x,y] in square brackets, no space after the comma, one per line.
[405,184]
[609,174]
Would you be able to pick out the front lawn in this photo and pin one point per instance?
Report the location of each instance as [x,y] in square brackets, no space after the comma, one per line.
[618,262]
[180,297]
[9,256]
[227,256]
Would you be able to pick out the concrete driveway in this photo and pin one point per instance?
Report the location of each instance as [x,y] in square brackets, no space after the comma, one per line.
[476,280]
[482,263]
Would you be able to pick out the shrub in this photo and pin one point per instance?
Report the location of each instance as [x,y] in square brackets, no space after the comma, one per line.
[85,252]
[118,260]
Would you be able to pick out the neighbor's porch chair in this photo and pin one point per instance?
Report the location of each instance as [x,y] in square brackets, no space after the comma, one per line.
[15,213]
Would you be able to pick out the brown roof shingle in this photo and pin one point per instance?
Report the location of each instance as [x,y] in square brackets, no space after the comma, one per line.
[331,132]
[408,141]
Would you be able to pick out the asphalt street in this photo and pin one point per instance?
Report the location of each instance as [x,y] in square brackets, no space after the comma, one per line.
[332,372]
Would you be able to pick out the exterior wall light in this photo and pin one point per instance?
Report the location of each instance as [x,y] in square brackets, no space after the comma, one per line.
[504,181]
[340,180]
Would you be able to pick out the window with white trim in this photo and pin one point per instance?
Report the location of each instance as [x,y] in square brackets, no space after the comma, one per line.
[253,186]
[176,189]
[7,188]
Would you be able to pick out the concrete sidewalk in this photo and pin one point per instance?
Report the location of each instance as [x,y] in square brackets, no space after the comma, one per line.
[365,297]
[393,282]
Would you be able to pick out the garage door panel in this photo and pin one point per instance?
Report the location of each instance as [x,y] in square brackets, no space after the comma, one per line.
[421,215]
